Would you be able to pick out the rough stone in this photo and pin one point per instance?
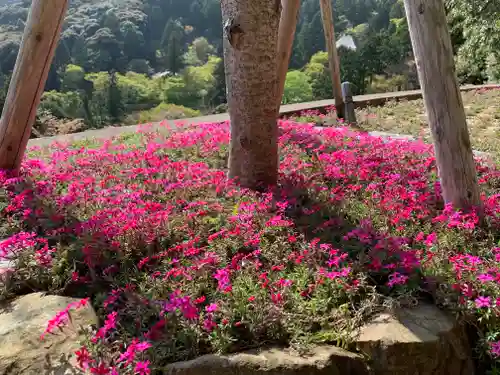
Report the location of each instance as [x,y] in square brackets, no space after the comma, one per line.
[23,320]
[419,341]
[391,136]
[325,360]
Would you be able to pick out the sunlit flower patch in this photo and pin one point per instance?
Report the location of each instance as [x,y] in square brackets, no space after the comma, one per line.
[179,262]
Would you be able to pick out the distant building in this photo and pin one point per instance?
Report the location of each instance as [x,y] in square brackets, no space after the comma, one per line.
[347,41]
[166,73]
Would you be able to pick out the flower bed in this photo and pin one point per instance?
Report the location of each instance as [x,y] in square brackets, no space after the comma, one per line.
[179,262]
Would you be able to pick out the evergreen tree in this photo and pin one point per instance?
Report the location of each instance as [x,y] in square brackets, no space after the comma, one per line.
[115,106]
[173,45]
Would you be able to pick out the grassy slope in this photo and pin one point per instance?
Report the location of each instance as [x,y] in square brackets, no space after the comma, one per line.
[482,110]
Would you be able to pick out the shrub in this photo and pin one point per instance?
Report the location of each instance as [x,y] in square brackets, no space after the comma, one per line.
[382,83]
[62,104]
[297,88]
[166,111]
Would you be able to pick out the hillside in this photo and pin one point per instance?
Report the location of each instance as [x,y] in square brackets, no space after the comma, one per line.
[111,50]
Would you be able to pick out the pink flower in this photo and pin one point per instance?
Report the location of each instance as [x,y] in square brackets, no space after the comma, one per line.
[483,302]
[142,346]
[209,324]
[485,277]
[211,308]
[102,369]
[83,358]
[431,239]
[142,368]
[495,348]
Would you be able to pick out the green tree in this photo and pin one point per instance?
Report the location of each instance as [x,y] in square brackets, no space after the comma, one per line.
[172,45]
[115,105]
[72,78]
[318,73]
[192,87]
[297,88]
[198,52]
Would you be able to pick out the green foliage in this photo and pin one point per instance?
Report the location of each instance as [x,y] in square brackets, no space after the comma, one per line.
[4,85]
[138,91]
[297,88]
[193,85]
[198,52]
[318,72]
[72,78]
[165,111]
[62,104]
[381,83]
[477,23]
[172,45]
[182,37]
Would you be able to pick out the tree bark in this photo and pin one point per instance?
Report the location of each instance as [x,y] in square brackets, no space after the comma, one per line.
[250,58]
[41,35]
[431,43]
[286,34]
[333,58]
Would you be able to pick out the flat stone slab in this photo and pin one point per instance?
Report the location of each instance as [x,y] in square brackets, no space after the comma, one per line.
[418,341]
[324,360]
[23,320]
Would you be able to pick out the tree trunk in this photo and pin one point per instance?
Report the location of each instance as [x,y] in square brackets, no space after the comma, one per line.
[333,58]
[286,34]
[38,46]
[443,102]
[250,58]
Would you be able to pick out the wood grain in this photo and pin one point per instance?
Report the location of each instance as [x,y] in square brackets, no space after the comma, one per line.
[333,58]
[286,34]
[38,45]
[433,52]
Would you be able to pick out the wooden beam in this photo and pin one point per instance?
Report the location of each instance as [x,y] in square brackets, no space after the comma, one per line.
[38,45]
[286,34]
[333,58]
[433,52]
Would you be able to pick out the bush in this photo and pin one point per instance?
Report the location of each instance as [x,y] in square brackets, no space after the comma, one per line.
[297,88]
[62,104]
[192,87]
[382,83]
[165,111]
[318,72]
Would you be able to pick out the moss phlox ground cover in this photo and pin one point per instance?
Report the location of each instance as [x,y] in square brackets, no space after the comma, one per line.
[179,262]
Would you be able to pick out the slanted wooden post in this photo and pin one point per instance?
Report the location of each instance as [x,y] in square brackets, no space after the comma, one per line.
[349,113]
[38,46]
[286,33]
[431,43]
[333,58]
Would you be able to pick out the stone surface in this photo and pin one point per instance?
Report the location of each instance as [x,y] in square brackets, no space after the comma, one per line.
[392,136]
[23,320]
[418,341]
[324,360]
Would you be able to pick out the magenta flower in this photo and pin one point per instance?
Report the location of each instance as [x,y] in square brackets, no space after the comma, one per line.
[142,368]
[483,302]
[495,348]
[211,308]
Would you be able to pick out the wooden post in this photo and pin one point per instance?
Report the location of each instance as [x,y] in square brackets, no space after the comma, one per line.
[286,33]
[349,113]
[36,52]
[433,52]
[333,58]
